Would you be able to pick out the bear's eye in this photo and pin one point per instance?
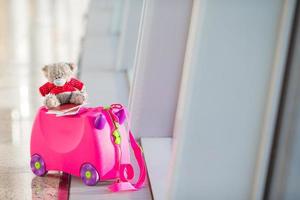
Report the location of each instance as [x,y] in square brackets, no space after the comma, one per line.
[58,76]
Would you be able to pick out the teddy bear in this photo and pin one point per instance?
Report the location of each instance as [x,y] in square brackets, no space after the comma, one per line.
[62,87]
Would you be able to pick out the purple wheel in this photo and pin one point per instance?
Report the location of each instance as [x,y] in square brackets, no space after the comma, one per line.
[37,165]
[89,174]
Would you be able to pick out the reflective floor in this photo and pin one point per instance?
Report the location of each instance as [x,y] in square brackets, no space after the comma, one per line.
[32,33]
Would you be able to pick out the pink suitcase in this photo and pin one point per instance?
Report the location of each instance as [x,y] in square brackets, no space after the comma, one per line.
[93,144]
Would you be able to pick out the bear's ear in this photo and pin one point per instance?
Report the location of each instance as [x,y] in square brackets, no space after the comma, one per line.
[45,70]
[73,67]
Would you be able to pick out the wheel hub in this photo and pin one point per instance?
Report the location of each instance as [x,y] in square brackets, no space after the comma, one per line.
[88,174]
[37,165]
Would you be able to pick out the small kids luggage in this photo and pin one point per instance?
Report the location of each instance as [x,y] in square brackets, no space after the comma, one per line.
[93,144]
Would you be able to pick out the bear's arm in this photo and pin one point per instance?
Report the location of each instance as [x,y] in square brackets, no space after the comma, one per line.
[45,89]
[76,83]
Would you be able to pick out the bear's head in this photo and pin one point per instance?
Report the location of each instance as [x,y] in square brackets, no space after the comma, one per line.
[59,73]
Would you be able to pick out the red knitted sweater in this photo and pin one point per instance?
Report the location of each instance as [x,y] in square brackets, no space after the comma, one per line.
[69,86]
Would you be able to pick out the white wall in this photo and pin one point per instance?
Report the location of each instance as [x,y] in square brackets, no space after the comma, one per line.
[129,34]
[158,66]
[233,72]
[285,179]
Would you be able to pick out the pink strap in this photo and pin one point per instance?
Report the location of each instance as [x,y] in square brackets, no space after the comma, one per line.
[141,162]
[123,184]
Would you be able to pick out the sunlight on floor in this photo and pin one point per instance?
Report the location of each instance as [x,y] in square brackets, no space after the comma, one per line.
[32,33]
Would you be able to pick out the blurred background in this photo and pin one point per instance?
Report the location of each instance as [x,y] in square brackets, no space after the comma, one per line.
[212,86]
